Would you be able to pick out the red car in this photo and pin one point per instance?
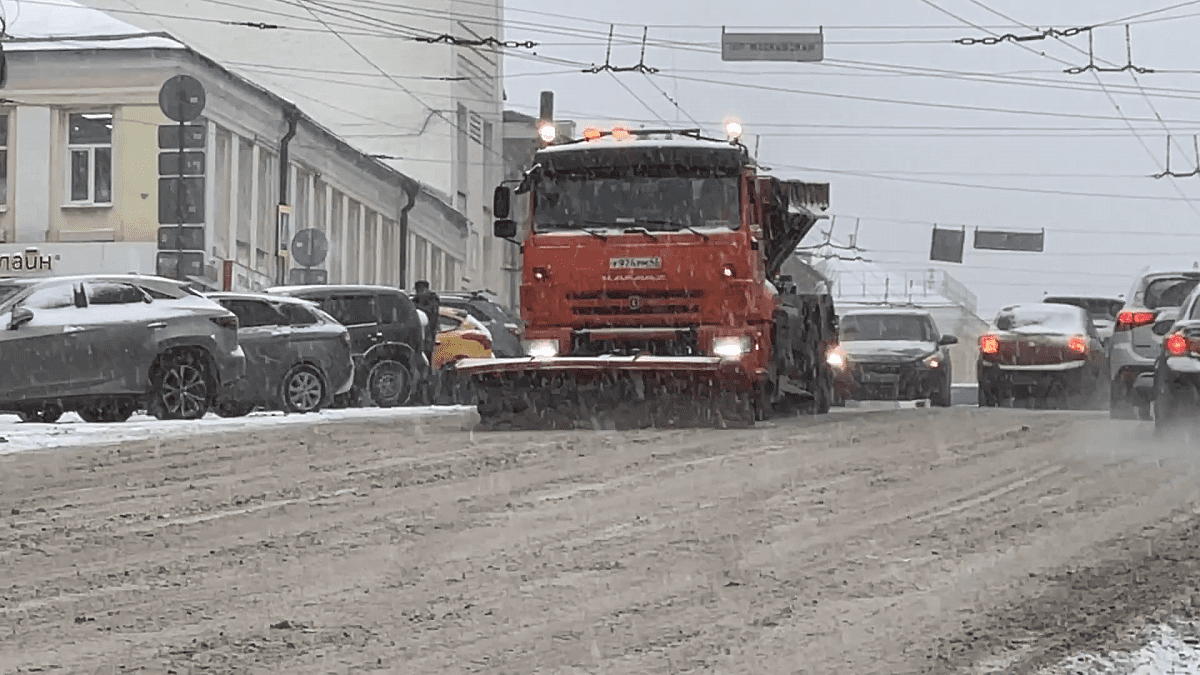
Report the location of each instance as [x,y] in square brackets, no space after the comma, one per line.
[1047,355]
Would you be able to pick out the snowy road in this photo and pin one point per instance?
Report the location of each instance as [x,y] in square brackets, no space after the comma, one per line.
[71,431]
[903,541]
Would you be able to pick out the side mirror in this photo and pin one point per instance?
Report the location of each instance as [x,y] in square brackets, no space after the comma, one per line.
[1164,321]
[20,317]
[947,340]
[504,229]
[1163,327]
[502,203]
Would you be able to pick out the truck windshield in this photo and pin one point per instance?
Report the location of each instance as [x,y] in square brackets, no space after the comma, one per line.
[573,202]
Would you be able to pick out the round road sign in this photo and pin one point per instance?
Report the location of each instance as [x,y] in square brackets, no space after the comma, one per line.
[181,98]
[309,247]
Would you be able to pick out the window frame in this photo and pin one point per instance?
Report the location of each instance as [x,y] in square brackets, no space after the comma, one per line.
[7,114]
[90,149]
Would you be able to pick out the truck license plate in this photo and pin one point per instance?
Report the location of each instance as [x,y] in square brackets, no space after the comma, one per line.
[879,378]
[652,263]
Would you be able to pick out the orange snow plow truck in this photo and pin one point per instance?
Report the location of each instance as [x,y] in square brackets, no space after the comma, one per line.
[651,290]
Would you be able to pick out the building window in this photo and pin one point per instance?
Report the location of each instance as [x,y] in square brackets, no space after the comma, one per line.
[4,158]
[90,146]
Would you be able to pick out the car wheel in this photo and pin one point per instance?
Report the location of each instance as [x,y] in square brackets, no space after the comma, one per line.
[181,390]
[986,395]
[943,396]
[823,396]
[389,383]
[230,409]
[111,410]
[1055,396]
[303,390]
[46,414]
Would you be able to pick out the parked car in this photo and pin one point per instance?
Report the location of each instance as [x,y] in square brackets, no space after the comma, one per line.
[1103,311]
[1175,398]
[504,328]
[1049,355]
[460,336]
[892,354]
[1135,347]
[297,356]
[385,336]
[106,346]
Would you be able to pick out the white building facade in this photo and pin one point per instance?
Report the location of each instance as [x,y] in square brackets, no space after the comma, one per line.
[416,84]
[85,189]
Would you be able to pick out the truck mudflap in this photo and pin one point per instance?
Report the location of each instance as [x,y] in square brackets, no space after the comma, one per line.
[610,392]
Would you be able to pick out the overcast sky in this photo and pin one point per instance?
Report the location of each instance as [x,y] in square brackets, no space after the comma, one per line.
[906,125]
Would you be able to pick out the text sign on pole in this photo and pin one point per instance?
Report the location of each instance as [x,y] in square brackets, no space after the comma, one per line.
[998,240]
[772,46]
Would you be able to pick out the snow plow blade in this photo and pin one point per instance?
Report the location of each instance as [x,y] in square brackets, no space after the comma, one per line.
[610,392]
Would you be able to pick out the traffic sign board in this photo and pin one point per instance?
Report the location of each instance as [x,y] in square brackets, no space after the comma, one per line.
[192,200]
[194,136]
[309,247]
[181,98]
[193,163]
[772,46]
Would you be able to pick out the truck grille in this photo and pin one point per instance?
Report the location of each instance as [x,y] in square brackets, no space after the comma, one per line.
[635,303]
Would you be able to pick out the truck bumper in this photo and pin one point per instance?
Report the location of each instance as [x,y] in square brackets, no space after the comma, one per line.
[734,373]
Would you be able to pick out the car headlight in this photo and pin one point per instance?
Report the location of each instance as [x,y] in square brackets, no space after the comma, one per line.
[540,348]
[933,361]
[836,358]
[734,347]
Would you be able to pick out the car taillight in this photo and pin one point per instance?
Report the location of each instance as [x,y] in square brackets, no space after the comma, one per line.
[478,337]
[1128,319]
[1177,344]
[230,322]
[989,344]
[1078,344]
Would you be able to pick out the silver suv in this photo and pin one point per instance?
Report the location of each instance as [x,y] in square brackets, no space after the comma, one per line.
[106,346]
[1135,346]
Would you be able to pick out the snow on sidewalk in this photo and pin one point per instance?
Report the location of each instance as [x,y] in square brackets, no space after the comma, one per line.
[1167,650]
[73,431]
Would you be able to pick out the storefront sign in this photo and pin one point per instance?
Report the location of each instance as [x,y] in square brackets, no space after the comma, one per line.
[29,260]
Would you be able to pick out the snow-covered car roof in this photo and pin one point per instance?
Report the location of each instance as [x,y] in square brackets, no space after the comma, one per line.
[288,290]
[886,310]
[273,297]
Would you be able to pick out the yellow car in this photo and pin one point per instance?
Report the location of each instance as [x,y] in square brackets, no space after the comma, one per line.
[460,336]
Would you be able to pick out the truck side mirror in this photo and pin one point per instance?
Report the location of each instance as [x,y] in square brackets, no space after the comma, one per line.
[501,203]
[947,340]
[505,228]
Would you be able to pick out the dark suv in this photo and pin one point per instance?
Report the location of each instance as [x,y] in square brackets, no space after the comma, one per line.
[386,338]
[105,346]
[504,327]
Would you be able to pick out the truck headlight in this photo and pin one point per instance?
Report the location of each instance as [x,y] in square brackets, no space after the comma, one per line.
[933,361]
[540,348]
[732,347]
[836,358]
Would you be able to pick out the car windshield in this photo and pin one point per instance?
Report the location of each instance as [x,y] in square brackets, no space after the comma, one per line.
[1041,319]
[8,291]
[856,327]
[1168,291]
[573,202]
